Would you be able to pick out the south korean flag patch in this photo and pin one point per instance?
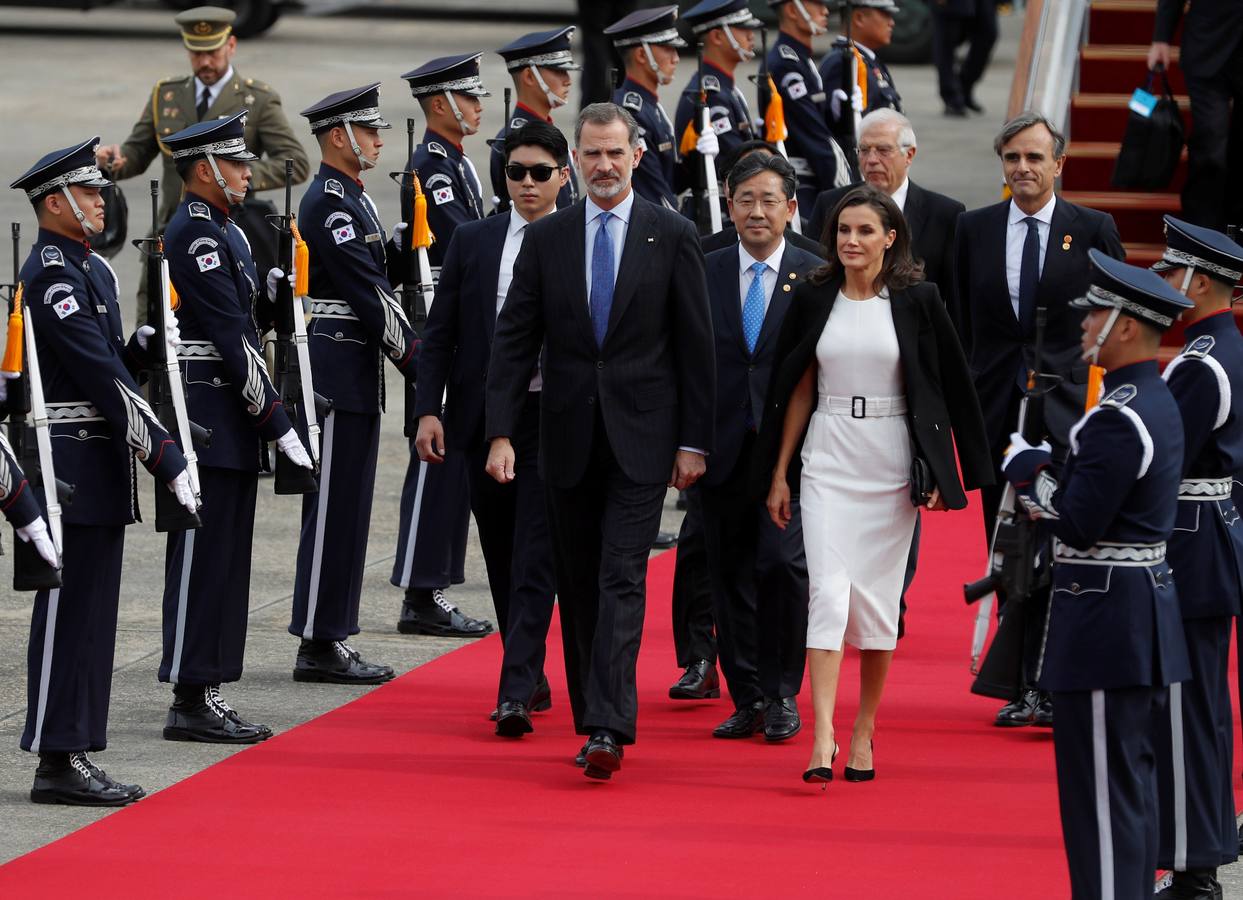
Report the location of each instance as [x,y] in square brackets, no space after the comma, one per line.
[443,195]
[60,297]
[66,307]
[343,233]
[208,261]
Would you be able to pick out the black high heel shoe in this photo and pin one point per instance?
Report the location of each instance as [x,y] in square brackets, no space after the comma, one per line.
[860,774]
[821,774]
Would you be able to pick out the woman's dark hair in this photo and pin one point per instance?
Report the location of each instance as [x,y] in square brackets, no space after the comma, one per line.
[899,270]
[542,135]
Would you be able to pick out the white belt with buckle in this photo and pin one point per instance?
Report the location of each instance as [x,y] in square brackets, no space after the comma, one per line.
[1108,553]
[1205,488]
[862,407]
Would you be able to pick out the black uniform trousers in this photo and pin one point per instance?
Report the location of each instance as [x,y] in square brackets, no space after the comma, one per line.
[1195,753]
[512,520]
[72,636]
[1107,788]
[977,26]
[603,529]
[207,583]
[435,523]
[1215,147]
[694,634]
[332,551]
[759,587]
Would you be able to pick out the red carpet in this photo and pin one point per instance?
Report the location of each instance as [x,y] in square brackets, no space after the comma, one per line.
[434,805]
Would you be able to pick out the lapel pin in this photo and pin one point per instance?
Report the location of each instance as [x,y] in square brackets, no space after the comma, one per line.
[1066,239]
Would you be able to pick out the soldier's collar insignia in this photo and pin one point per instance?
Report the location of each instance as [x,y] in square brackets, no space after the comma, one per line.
[1120,396]
[199,211]
[515,123]
[52,257]
[332,186]
[438,149]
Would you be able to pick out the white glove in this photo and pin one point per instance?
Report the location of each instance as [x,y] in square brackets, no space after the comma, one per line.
[172,329]
[1018,444]
[275,274]
[289,444]
[37,531]
[397,230]
[835,102]
[180,486]
[6,377]
[707,144]
[143,335]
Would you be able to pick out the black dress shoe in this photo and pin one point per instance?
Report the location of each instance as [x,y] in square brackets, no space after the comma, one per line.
[512,719]
[73,780]
[781,720]
[429,612]
[581,759]
[860,774]
[205,718]
[664,540]
[956,112]
[1194,884]
[1043,716]
[602,755]
[821,775]
[336,662]
[541,697]
[972,105]
[1019,712]
[746,721]
[699,682]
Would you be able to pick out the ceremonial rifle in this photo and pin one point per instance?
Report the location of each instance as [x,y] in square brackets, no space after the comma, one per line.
[773,110]
[1015,566]
[700,123]
[31,571]
[165,391]
[294,382]
[848,134]
[497,145]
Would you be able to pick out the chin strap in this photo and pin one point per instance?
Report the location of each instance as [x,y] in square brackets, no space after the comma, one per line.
[553,100]
[232,197]
[87,228]
[802,11]
[1092,357]
[661,77]
[1188,274]
[364,162]
[744,55]
[457,114]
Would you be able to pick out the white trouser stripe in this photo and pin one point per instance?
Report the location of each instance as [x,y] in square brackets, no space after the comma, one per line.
[1100,767]
[321,517]
[183,601]
[45,671]
[412,536]
[1178,758]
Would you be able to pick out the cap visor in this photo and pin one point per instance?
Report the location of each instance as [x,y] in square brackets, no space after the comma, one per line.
[1161,266]
[239,156]
[1086,302]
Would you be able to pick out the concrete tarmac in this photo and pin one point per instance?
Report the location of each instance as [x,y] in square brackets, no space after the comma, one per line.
[68,76]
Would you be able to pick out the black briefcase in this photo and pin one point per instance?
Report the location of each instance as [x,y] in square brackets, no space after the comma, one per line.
[1153,143]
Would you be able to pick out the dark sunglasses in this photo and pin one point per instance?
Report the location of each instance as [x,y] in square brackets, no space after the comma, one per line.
[541,173]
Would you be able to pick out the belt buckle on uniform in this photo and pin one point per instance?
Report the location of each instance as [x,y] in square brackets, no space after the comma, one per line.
[858,407]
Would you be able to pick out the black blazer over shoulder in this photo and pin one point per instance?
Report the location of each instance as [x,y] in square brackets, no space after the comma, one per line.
[942,409]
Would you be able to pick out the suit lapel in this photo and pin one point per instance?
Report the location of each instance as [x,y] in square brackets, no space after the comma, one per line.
[915,211]
[641,239]
[725,275]
[573,237]
[1052,271]
[996,238]
[779,302]
[490,272]
[228,101]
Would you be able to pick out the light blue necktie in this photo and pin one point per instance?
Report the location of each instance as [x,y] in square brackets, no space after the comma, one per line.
[753,307]
[602,279]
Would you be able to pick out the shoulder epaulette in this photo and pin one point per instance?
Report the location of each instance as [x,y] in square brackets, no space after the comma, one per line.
[199,211]
[52,256]
[332,186]
[788,52]
[632,100]
[172,79]
[1120,396]
[256,85]
[1201,346]
[711,83]
[515,123]
[438,149]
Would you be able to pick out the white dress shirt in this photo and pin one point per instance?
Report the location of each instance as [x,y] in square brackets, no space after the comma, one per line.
[509,255]
[1016,234]
[213,90]
[617,231]
[772,266]
[899,196]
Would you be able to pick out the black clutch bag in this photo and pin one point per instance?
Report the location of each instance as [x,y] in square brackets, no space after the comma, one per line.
[922,483]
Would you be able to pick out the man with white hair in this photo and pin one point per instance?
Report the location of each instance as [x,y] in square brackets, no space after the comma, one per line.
[887,149]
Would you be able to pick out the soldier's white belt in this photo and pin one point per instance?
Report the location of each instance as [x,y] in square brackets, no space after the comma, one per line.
[332,309]
[862,407]
[1205,488]
[73,411]
[198,351]
[1108,553]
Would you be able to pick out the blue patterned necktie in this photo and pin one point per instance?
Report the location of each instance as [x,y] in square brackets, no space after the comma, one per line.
[753,307]
[601,279]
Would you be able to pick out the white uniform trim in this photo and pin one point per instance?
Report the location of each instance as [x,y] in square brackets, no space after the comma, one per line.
[321,518]
[183,596]
[1178,760]
[1223,384]
[413,535]
[1145,439]
[1100,768]
[45,670]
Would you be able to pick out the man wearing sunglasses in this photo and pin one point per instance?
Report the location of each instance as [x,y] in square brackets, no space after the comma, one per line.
[512,522]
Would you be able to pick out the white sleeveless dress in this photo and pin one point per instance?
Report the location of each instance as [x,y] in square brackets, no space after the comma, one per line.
[858,519]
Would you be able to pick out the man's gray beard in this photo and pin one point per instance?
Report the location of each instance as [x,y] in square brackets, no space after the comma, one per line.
[607,192]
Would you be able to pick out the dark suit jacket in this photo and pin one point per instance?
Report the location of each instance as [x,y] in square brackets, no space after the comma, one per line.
[997,349]
[942,410]
[1212,33]
[651,383]
[932,218]
[457,340]
[742,377]
[728,237]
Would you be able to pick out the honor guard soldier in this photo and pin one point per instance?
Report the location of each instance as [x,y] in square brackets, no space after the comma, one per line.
[647,42]
[726,30]
[870,27]
[213,91]
[1195,747]
[1115,636]
[99,422]
[357,322]
[207,585]
[435,500]
[817,158]
[540,65]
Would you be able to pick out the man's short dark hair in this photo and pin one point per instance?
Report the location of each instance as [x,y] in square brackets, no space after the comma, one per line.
[729,158]
[542,135]
[1024,121]
[606,114]
[750,166]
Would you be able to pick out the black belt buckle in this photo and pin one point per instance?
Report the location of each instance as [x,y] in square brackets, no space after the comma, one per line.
[858,407]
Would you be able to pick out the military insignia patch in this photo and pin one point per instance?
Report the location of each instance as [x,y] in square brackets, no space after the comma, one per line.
[1201,346]
[66,307]
[199,211]
[438,178]
[52,256]
[720,120]
[1120,396]
[632,100]
[664,146]
[516,123]
[332,186]
[712,83]
[202,242]
[208,261]
[438,149]
[794,85]
[788,52]
[343,233]
[168,95]
[50,295]
[443,195]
